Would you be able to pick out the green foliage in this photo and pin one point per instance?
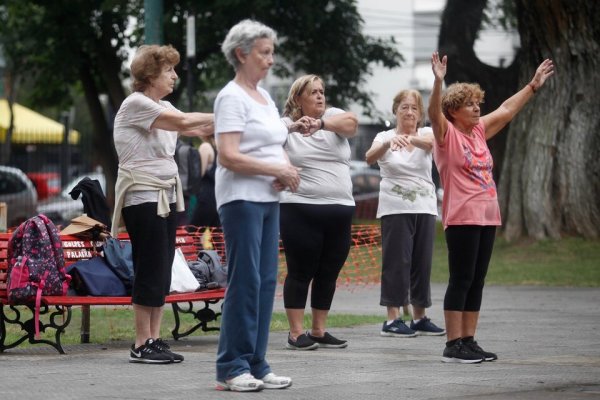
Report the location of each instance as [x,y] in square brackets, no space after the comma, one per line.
[57,41]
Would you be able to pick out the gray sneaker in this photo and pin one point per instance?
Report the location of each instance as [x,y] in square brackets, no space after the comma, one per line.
[302,342]
[328,341]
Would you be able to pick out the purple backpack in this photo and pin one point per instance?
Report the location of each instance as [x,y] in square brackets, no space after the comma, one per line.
[36,265]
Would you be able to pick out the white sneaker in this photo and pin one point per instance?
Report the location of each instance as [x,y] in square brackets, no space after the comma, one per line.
[273,381]
[241,383]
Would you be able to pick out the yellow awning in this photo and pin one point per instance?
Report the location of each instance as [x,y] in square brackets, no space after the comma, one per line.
[31,127]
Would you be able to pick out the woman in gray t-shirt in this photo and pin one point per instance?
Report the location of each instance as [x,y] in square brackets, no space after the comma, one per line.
[316,220]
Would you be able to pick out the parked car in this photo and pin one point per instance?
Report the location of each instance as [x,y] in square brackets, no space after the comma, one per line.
[61,209]
[47,184]
[365,189]
[19,194]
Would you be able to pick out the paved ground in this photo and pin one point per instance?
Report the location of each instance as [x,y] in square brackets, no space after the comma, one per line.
[548,341]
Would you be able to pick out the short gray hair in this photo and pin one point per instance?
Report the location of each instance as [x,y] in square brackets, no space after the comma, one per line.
[242,35]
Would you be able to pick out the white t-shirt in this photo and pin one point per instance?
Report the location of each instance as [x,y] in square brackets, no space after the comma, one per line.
[325,161]
[141,148]
[406,185]
[263,135]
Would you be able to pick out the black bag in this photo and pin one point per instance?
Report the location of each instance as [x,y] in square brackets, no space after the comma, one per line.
[187,158]
[119,258]
[94,277]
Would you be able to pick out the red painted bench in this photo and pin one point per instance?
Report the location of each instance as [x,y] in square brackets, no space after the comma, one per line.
[75,249]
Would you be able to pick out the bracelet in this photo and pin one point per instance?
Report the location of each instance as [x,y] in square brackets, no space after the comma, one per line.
[533,89]
[322,123]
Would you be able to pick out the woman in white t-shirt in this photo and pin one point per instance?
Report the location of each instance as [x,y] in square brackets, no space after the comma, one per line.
[408,209]
[316,220]
[148,190]
[252,168]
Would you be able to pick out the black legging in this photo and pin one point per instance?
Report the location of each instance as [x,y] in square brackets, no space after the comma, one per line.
[153,247]
[469,252]
[316,240]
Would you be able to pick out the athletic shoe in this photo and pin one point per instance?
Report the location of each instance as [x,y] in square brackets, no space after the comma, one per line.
[460,353]
[165,348]
[474,347]
[427,328]
[397,329]
[328,341]
[302,342]
[241,383]
[149,353]
[272,381]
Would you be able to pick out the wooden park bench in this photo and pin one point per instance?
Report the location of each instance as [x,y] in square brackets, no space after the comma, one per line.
[56,310]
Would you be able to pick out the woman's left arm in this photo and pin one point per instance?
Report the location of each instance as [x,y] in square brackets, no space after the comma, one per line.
[424,142]
[497,119]
[344,124]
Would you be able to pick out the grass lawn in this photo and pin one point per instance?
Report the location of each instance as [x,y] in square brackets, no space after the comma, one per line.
[571,261]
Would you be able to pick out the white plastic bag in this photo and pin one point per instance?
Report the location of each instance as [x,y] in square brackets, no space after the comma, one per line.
[182,278]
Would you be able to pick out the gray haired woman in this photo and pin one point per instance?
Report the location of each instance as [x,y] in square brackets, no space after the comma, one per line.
[252,168]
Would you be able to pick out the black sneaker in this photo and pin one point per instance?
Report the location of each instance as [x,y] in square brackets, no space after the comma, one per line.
[328,341]
[302,342]
[460,353]
[474,347]
[165,348]
[148,353]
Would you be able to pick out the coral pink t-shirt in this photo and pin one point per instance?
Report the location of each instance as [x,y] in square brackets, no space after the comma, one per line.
[465,167]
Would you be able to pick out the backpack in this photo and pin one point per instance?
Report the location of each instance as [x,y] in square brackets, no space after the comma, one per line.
[218,271]
[187,158]
[36,265]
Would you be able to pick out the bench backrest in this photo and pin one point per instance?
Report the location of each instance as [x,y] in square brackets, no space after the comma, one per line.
[74,248]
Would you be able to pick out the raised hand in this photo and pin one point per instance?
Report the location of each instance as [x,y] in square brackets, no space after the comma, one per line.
[439,66]
[543,72]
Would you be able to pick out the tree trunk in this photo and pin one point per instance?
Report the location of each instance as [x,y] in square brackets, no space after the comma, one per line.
[102,134]
[461,22]
[6,149]
[551,176]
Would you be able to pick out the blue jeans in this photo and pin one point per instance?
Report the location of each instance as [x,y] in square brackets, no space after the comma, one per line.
[251,233]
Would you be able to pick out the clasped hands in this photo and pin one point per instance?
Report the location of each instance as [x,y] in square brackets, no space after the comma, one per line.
[288,177]
[305,125]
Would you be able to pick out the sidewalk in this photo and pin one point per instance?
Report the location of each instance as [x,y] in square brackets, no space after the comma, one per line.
[547,340]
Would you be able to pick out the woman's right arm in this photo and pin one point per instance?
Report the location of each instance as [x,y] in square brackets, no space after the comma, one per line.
[230,157]
[439,123]
[193,123]
[377,150]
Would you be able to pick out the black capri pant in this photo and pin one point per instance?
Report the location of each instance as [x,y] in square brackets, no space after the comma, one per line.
[153,249]
[316,240]
[469,253]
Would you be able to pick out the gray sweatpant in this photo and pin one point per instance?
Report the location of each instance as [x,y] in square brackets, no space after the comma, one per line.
[407,250]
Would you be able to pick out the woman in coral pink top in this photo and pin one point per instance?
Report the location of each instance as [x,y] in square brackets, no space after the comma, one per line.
[470,211]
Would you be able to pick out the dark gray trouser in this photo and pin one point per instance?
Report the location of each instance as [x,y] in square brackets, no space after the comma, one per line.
[407,250]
